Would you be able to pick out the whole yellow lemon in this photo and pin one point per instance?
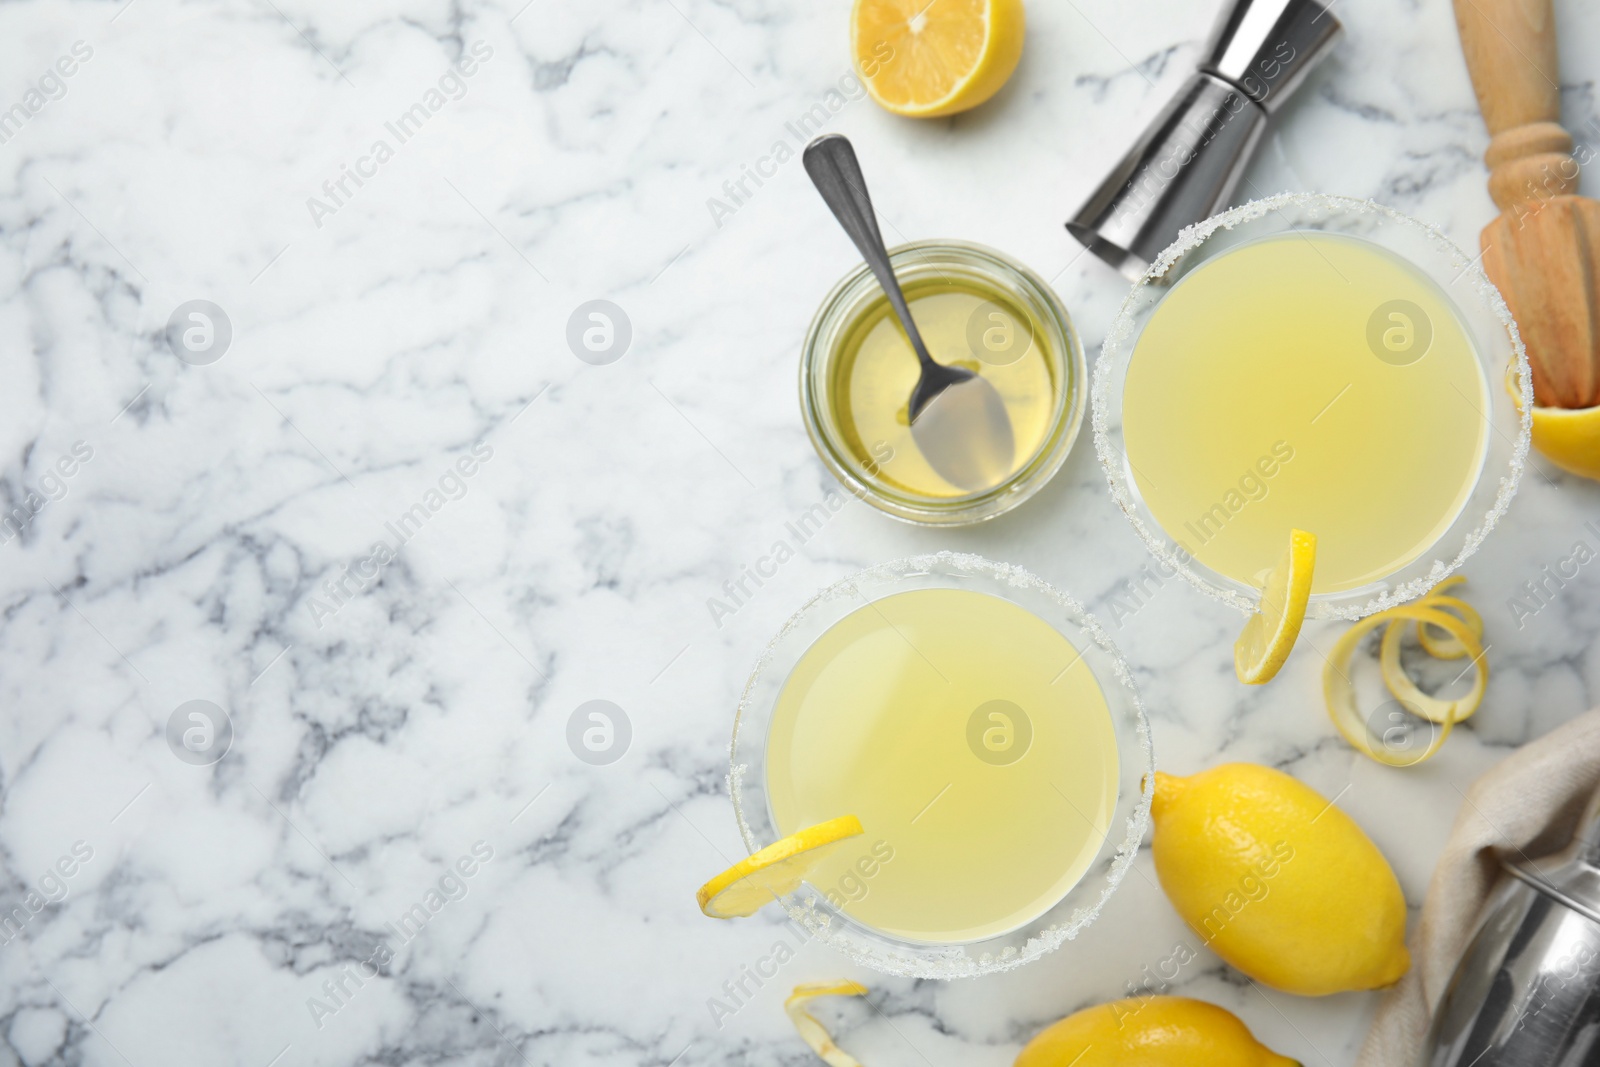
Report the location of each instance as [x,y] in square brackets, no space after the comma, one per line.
[1150,1032]
[1278,881]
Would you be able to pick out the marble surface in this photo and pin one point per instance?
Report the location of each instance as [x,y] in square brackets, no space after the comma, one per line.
[399,858]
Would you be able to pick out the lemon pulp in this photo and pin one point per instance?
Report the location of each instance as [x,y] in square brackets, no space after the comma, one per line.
[1257,401]
[976,748]
[924,60]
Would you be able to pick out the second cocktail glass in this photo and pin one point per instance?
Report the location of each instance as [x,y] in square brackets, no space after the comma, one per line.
[987,735]
[1314,362]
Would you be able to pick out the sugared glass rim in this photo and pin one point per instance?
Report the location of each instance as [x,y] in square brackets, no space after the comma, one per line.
[1068,363]
[1081,905]
[1351,604]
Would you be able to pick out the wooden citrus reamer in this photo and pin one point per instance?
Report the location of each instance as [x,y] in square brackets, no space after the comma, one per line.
[1543,252]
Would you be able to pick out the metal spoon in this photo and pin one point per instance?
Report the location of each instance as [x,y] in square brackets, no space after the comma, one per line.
[957,418]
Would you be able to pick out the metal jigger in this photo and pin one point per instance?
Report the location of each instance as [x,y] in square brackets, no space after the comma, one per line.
[1184,167]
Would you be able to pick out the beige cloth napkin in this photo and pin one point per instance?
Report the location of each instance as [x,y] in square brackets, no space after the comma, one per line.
[1528,803]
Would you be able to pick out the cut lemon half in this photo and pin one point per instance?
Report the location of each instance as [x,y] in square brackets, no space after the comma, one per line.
[1270,633]
[775,871]
[1569,438]
[812,1032]
[926,58]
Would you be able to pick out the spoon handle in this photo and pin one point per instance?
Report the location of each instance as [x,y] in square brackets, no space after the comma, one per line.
[831,162]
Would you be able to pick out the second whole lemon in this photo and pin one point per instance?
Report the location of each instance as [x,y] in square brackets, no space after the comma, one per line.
[1278,881]
[1152,1031]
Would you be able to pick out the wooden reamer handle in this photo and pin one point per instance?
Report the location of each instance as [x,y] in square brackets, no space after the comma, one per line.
[1510,47]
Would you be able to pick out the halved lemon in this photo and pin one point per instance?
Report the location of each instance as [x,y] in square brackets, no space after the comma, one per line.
[1270,633]
[1569,438]
[775,871]
[926,58]
[812,1032]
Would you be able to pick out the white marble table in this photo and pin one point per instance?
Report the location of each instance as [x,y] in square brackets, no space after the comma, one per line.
[399,858]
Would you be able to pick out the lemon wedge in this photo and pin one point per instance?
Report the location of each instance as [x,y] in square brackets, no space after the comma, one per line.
[813,1033]
[927,59]
[1270,633]
[773,872]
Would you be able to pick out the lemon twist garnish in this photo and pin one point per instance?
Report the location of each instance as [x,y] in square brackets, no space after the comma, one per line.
[812,1032]
[1432,612]
[775,871]
[1448,647]
[1269,635]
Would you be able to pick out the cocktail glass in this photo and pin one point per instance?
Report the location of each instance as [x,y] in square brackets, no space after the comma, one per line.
[1500,406]
[1125,815]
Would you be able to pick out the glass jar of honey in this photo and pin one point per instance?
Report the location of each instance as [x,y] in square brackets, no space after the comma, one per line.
[975,309]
